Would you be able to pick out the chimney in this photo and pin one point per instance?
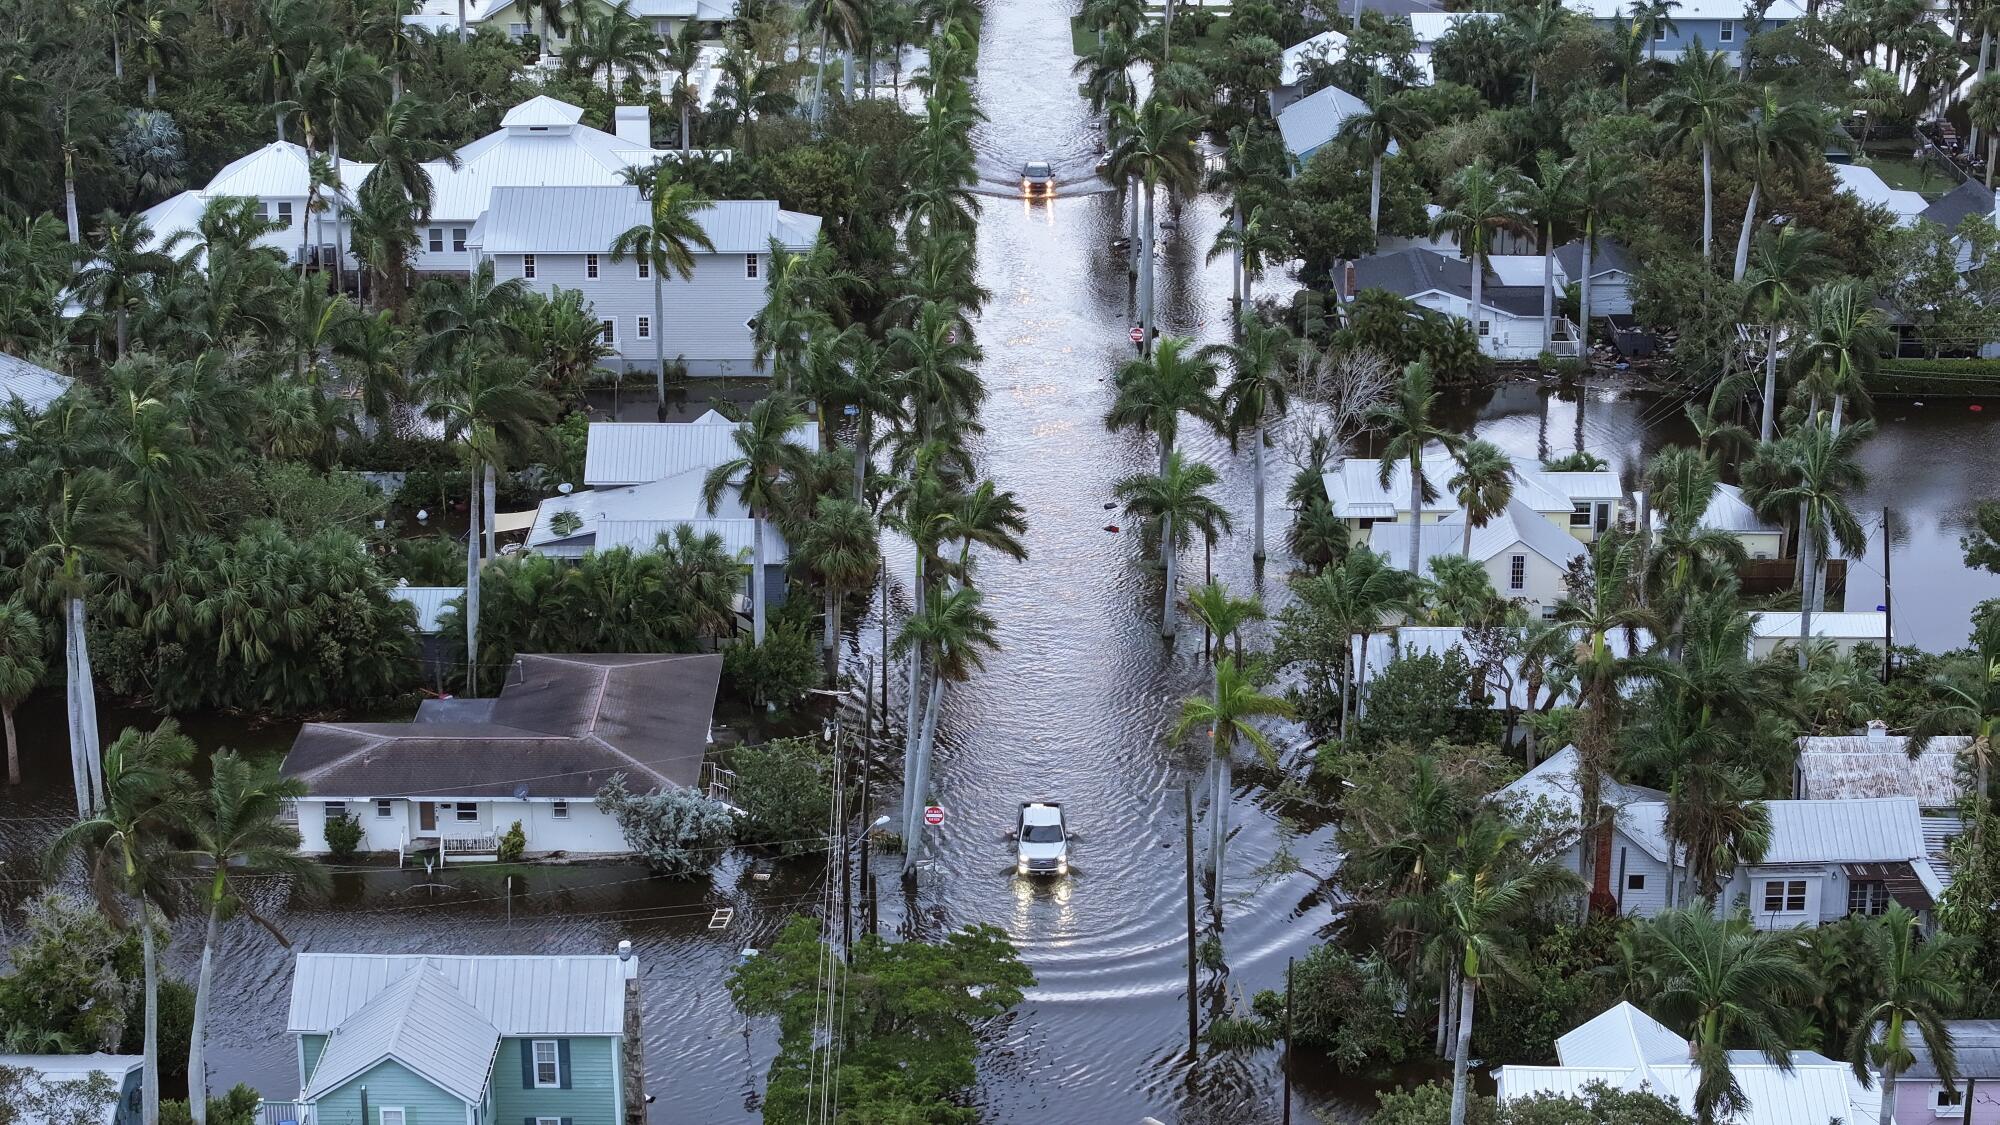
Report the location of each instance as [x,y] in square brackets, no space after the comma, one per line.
[1347,282]
[1878,732]
[628,964]
[633,124]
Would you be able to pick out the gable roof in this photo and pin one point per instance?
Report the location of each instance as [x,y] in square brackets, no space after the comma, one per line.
[1326,45]
[420,1021]
[1411,272]
[1860,830]
[1728,511]
[1557,781]
[617,453]
[1844,767]
[36,386]
[1608,258]
[561,727]
[1518,524]
[1315,119]
[1869,187]
[522,219]
[1976,1043]
[1429,27]
[1620,1036]
[517,995]
[1960,203]
[1844,625]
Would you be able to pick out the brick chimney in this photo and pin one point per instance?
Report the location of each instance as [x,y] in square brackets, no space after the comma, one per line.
[1347,283]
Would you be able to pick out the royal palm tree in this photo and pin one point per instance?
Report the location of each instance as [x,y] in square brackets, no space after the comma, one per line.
[956,631]
[125,846]
[1823,474]
[1253,244]
[1601,189]
[1223,614]
[1722,983]
[844,22]
[1783,266]
[22,666]
[117,278]
[1652,19]
[664,244]
[237,831]
[1252,168]
[752,88]
[1257,393]
[1406,423]
[839,547]
[1916,989]
[1176,502]
[1702,108]
[1153,146]
[679,57]
[1982,106]
[1842,342]
[1226,715]
[1483,486]
[1480,201]
[1353,598]
[1388,121]
[1549,198]
[765,451]
[1780,139]
[615,38]
[935,359]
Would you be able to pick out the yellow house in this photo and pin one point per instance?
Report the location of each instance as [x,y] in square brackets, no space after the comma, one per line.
[1582,504]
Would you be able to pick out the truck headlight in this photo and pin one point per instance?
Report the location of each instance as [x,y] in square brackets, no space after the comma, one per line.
[1020,867]
[1062,867]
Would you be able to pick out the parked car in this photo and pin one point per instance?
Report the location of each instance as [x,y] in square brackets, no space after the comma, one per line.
[1042,840]
[1038,177]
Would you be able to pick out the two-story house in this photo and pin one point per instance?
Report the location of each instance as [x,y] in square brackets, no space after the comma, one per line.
[563,236]
[1525,556]
[440,1040]
[1718,25]
[1582,503]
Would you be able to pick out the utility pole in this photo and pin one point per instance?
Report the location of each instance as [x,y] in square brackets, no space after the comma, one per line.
[1888,603]
[846,845]
[1187,824]
[1285,1061]
[867,900]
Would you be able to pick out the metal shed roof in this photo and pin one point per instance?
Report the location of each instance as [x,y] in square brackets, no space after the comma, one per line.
[34,385]
[518,995]
[1326,45]
[1860,830]
[1315,119]
[579,220]
[1849,766]
[420,1021]
[429,602]
[623,453]
[1853,625]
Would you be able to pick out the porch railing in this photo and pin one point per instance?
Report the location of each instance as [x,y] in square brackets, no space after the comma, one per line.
[284,1113]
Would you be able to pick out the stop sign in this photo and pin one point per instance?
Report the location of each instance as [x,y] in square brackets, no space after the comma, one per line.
[1138,334]
[934,815]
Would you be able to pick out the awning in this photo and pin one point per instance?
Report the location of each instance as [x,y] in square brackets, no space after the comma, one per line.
[504,522]
[1900,879]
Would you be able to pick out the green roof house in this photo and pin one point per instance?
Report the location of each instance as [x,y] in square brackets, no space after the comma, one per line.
[434,1040]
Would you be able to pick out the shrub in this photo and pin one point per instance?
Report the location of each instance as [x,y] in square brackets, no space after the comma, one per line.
[1418,699]
[74,976]
[777,672]
[679,833]
[237,1107]
[1342,1007]
[783,791]
[343,838]
[1941,377]
[513,843]
[27,1096]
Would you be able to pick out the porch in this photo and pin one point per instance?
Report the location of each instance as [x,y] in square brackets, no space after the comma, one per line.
[284,1113]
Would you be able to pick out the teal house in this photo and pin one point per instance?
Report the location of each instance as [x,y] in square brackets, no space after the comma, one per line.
[436,1040]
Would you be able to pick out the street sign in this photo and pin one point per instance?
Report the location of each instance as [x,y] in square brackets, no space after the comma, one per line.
[1137,334]
[933,815]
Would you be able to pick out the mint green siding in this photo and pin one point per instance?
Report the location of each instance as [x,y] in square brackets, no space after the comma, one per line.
[592,1097]
[390,1083]
[309,1048]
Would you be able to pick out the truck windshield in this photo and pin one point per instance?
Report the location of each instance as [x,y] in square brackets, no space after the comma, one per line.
[1042,834]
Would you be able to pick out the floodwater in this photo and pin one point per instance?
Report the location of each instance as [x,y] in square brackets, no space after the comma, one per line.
[1074,707]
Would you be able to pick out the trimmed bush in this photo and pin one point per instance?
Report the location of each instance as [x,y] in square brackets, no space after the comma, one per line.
[343,838]
[1961,378]
[513,843]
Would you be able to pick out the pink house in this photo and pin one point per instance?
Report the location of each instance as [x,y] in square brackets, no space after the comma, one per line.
[1921,1097]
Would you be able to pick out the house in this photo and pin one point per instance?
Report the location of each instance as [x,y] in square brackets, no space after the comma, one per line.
[457,776]
[1626,1049]
[552,237]
[1730,514]
[1510,320]
[518,19]
[1312,122]
[1506,684]
[1878,764]
[1864,184]
[1771,631]
[1429,27]
[1584,503]
[1292,63]
[125,1073]
[277,176]
[1954,207]
[1825,859]
[1718,25]
[430,1039]
[1611,275]
[1526,557]
[1922,1098]
[645,479]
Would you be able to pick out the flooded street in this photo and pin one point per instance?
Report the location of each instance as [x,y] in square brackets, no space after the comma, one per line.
[1074,707]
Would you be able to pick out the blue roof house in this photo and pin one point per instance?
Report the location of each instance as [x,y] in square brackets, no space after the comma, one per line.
[1312,122]
[437,1040]
[1719,25]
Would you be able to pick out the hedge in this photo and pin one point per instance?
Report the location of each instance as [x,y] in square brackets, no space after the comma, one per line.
[1944,378]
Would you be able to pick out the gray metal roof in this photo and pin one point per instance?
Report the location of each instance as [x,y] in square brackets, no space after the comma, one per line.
[428,601]
[420,1021]
[1845,767]
[517,995]
[579,220]
[1955,206]
[1315,119]
[1608,257]
[1861,830]
[562,726]
[618,453]
[1976,1043]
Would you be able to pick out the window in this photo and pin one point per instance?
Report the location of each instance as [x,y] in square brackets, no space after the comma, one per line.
[285,212]
[394,1115]
[559,810]
[1948,1103]
[610,331]
[645,268]
[1728,32]
[590,266]
[548,1063]
[1635,882]
[384,806]
[527,265]
[1579,515]
[645,328]
[1517,572]
[1660,33]
[436,240]
[517,31]
[1548,613]
[1867,896]
[1784,896]
[548,1121]
[468,811]
[1486,328]
[458,240]
[336,810]
[749,265]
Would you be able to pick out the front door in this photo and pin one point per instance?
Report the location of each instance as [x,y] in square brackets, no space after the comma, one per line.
[427,816]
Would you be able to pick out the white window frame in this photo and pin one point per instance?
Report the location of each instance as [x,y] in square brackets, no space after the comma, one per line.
[590,266]
[335,810]
[402,1116]
[528,266]
[434,240]
[1728,32]
[1548,613]
[645,330]
[458,240]
[384,807]
[285,211]
[559,810]
[517,31]
[1517,572]
[465,812]
[645,268]
[1659,33]
[610,325]
[554,1060]
[1485,328]
[1580,514]
[548,1121]
[750,267]
[1784,887]
[1875,897]
[1952,1108]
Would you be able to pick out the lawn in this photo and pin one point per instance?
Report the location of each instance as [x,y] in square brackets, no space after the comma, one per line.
[1081,40]
[1904,174]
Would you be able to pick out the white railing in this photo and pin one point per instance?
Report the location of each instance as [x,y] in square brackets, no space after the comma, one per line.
[280,1113]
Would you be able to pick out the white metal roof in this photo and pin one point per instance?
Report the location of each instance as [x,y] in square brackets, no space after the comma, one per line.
[542,112]
[1844,767]
[1407,640]
[420,1021]
[1516,269]
[428,601]
[738,536]
[1327,45]
[525,995]
[1867,185]
[1727,511]
[1557,782]
[1429,27]
[1620,1036]
[35,386]
[618,453]
[1518,524]
[554,220]
[1857,830]
[1354,488]
[1850,625]
[1314,120]
[635,516]
[1780,11]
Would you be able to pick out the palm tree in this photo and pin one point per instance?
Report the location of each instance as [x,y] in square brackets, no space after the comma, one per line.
[1963,696]
[1547,199]
[1823,473]
[1601,189]
[955,630]
[1388,120]
[1844,339]
[21,668]
[1177,502]
[1481,201]
[765,451]
[1916,988]
[665,244]
[1650,20]
[617,38]
[1351,599]
[751,88]
[117,277]
[1982,105]
[839,547]
[845,22]
[1721,982]
[1783,266]
[1256,393]
[1154,146]
[1253,244]
[680,56]
[1226,714]
[89,539]
[1407,424]
[1223,614]
[1781,138]
[1251,168]
[125,847]
[935,358]
[1702,108]
[237,831]
[1483,486]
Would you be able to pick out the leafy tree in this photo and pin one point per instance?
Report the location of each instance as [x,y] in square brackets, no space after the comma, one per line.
[26,1096]
[1916,991]
[679,833]
[782,788]
[1346,1007]
[1418,699]
[74,978]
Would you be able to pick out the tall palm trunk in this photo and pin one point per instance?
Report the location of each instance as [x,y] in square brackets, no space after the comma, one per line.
[1146,272]
[1478,291]
[1769,420]
[1236,278]
[84,747]
[69,195]
[489,487]
[472,594]
[819,80]
[1743,238]
[1467,989]
[919,781]
[864,444]
[1707,200]
[13,746]
[757,578]
[461,23]
[1375,195]
[1218,828]
[1583,292]
[204,981]
[1806,594]
[1257,472]
[149,1083]
[657,269]
[1548,284]
[685,136]
[1132,235]
[1416,511]
[1169,557]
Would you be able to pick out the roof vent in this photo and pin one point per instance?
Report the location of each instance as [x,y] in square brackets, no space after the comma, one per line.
[1878,731]
[633,124]
[624,951]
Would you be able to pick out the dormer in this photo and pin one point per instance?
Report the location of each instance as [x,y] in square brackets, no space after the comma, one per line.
[542,116]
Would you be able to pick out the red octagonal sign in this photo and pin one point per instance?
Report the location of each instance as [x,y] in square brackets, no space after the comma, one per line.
[934,815]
